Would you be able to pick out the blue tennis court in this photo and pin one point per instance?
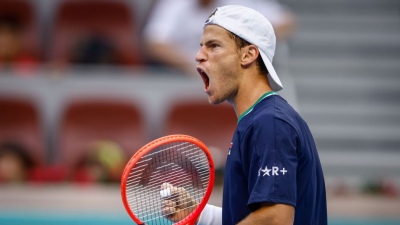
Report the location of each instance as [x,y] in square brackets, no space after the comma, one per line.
[20,218]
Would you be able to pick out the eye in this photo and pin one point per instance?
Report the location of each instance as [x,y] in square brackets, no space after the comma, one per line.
[214,45]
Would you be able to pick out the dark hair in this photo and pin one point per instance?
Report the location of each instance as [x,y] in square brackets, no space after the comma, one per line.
[11,22]
[240,43]
[94,49]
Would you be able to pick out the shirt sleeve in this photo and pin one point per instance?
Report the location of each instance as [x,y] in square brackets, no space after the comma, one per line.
[271,159]
[211,215]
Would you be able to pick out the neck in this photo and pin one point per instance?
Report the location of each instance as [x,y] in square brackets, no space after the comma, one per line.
[250,90]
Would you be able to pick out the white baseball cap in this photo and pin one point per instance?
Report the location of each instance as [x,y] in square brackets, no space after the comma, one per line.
[253,27]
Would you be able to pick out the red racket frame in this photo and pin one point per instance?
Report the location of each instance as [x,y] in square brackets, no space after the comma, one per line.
[192,217]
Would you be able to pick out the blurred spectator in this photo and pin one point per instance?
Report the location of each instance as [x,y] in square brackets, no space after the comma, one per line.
[13,56]
[94,49]
[88,32]
[15,163]
[384,187]
[172,33]
[103,163]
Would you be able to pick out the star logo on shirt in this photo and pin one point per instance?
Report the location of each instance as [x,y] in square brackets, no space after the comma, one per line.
[274,171]
[265,171]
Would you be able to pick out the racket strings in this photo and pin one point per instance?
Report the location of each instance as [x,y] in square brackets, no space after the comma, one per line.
[155,214]
[202,171]
[178,175]
[180,164]
[177,184]
[149,212]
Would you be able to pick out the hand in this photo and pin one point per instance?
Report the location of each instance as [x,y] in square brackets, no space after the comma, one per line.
[178,204]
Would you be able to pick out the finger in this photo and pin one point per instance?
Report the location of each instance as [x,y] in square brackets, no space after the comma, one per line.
[178,191]
[168,211]
[168,208]
[178,215]
[168,203]
[166,185]
[184,200]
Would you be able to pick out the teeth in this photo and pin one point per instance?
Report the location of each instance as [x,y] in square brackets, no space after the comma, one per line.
[200,71]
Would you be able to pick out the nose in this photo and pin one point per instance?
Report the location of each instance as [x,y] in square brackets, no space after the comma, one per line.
[200,56]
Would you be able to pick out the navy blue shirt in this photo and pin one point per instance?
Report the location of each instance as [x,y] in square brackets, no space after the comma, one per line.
[273,158]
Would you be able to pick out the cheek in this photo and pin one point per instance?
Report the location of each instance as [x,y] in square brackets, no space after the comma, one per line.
[225,82]
[228,71]
[225,64]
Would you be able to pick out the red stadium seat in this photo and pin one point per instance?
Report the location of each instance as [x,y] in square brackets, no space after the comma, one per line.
[20,123]
[213,125]
[113,20]
[24,11]
[85,121]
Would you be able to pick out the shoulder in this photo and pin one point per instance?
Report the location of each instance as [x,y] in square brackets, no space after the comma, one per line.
[269,113]
[272,108]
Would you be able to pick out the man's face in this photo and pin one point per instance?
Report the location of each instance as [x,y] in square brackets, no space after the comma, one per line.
[12,169]
[218,64]
[9,43]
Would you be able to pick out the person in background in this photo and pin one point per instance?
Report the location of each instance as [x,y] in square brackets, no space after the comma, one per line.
[171,32]
[13,57]
[94,49]
[15,163]
[102,163]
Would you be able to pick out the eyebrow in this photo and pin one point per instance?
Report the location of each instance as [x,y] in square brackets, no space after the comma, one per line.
[209,41]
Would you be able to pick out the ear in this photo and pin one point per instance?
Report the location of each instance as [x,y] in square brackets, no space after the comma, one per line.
[250,54]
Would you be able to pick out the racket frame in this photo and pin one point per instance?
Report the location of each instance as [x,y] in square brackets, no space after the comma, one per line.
[194,215]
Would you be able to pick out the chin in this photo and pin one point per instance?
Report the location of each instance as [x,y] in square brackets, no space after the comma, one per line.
[214,101]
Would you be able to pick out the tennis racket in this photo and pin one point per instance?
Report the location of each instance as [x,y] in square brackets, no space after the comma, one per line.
[168,181]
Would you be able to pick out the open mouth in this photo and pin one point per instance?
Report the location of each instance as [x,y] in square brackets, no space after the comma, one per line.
[205,78]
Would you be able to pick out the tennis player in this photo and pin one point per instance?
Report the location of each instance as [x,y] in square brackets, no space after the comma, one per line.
[273,173]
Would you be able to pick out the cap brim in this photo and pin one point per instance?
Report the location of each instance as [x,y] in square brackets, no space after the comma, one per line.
[273,78]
